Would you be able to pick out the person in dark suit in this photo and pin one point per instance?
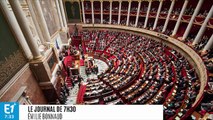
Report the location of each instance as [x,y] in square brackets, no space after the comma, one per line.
[75,30]
[68,71]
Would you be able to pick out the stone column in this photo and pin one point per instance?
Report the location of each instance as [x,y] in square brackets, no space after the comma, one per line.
[203,27]
[147,14]
[128,14]
[93,19]
[20,16]
[59,13]
[179,18]
[40,19]
[83,12]
[158,13]
[16,29]
[138,13]
[63,14]
[209,44]
[101,11]
[119,13]
[110,12]
[197,9]
[35,22]
[168,16]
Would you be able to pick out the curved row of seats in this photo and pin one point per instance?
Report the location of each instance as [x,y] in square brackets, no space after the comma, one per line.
[143,71]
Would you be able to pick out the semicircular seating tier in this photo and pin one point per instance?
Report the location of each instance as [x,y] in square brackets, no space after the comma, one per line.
[140,71]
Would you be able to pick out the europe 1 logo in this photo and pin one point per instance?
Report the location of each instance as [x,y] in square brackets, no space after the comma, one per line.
[9,111]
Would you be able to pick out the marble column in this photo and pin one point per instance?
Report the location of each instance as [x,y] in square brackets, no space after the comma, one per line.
[209,45]
[59,13]
[35,22]
[40,19]
[16,29]
[179,18]
[83,12]
[101,11]
[158,13]
[93,19]
[188,29]
[147,14]
[119,13]
[168,16]
[138,13]
[203,27]
[110,11]
[63,14]
[21,18]
[128,14]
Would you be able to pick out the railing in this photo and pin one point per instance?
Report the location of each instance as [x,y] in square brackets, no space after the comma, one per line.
[185,18]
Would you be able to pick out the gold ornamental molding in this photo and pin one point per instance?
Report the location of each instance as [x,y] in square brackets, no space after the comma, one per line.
[10,66]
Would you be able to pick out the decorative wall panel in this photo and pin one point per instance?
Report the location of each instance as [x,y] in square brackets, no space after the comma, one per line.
[52,62]
[50,15]
[11,57]
[73,11]
[10,66]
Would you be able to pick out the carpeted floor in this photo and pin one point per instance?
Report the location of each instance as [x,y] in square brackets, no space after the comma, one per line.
[73,95]
[102,66]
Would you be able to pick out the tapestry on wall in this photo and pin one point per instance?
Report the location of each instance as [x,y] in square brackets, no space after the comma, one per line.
[11,56]
[73,11]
